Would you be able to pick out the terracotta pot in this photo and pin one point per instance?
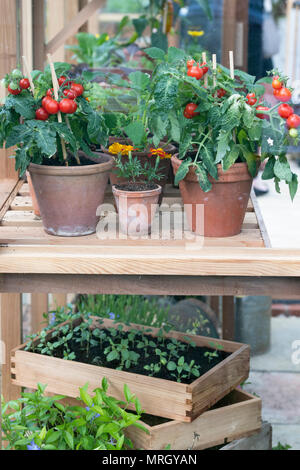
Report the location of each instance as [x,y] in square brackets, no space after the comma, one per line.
[136,210]
[35,205]
[164,167]
[68,197]
[221,211]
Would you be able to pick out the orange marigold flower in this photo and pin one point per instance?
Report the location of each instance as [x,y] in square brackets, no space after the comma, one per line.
[117,148]
[160,152]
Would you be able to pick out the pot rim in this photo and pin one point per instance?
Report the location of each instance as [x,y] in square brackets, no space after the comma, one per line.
[137,194]
[101,167]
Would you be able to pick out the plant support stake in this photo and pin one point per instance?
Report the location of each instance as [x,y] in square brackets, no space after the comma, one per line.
[55,89]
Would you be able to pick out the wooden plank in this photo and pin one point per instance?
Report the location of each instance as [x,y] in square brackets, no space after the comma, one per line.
[150,260]
[10,336]
[17,218]
[71,10]
[26,31]
[260,220]
[73,26]
[9,45]
[8,190]
[39,305]
[150,285]
[236,416]
[228,318]
[55,23]
[229,29]
[242,27]
[38,34]
[21,203]
[32,234]
[58,300]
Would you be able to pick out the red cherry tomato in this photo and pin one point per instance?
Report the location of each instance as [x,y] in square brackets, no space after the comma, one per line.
[71,94]
[293,121]
[190,109]
[285,110]
[78,88]
[221,92]
[190,63]
[275,93]
[276,84]
[41,114]
[251,100]
[62,80]
[44,101]
[284,94]
[204,67]
[195,72]
[68,106]
[14,92]
[24,83]
[50,92]
[259,114]
[187,115]
[51,106]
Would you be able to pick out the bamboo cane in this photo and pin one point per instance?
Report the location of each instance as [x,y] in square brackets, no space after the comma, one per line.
[205,76]
[59,117]
[231,62]
[27,72]
[214,60]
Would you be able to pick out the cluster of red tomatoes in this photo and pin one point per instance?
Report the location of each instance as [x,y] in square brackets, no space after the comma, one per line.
[286,111]
[24,84]
[66,105]
[195,70]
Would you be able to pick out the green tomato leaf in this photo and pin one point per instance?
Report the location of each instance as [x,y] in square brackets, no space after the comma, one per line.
[182,171]
[293,186]
[282,169]
[175,55]
[251,160]
[204,182]
[231,157]
[268,172]
[139,80]
[136,132]
[155,53]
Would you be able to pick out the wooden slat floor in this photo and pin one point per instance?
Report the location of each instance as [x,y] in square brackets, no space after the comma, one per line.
[19,226]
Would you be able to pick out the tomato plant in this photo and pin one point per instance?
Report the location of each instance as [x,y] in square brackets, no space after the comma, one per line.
[77,88]
[190,109]
[66,106]
[71,94]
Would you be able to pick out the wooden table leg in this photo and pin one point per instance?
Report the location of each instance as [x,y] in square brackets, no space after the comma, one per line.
[10,335]
[39,305]
[228,318]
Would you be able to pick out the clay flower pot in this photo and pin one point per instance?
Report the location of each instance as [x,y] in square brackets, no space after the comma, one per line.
[68,197]
[136,209]
[221,211]
[164,167]
[35,205]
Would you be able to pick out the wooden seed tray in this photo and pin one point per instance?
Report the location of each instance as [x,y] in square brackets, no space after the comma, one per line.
[159,397]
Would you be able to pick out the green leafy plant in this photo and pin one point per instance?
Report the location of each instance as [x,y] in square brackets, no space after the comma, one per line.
[38,422]
[222,123]
[132,169]
[29,121]
[183,370]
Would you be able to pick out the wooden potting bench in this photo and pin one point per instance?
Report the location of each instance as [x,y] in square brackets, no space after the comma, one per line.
[32,261]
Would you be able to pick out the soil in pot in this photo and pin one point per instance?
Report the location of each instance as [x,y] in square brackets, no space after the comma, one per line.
[219,212]
[136,205]
[86,351]
[68,196]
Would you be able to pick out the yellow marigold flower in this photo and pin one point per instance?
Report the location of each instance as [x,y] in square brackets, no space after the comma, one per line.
[117,148]
[97,36]
[195,33]
[160,152]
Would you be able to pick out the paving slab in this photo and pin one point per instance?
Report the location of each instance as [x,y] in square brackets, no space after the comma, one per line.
[286,434]
[284,354]
[280,394]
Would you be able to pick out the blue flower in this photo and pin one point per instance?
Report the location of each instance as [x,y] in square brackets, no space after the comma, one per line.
[33,446]
[112,441]
[112,316]
[52,318]
[96,415]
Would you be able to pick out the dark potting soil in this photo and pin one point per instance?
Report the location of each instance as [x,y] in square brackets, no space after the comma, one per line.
[95,354]
[84,161]
[136,186]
